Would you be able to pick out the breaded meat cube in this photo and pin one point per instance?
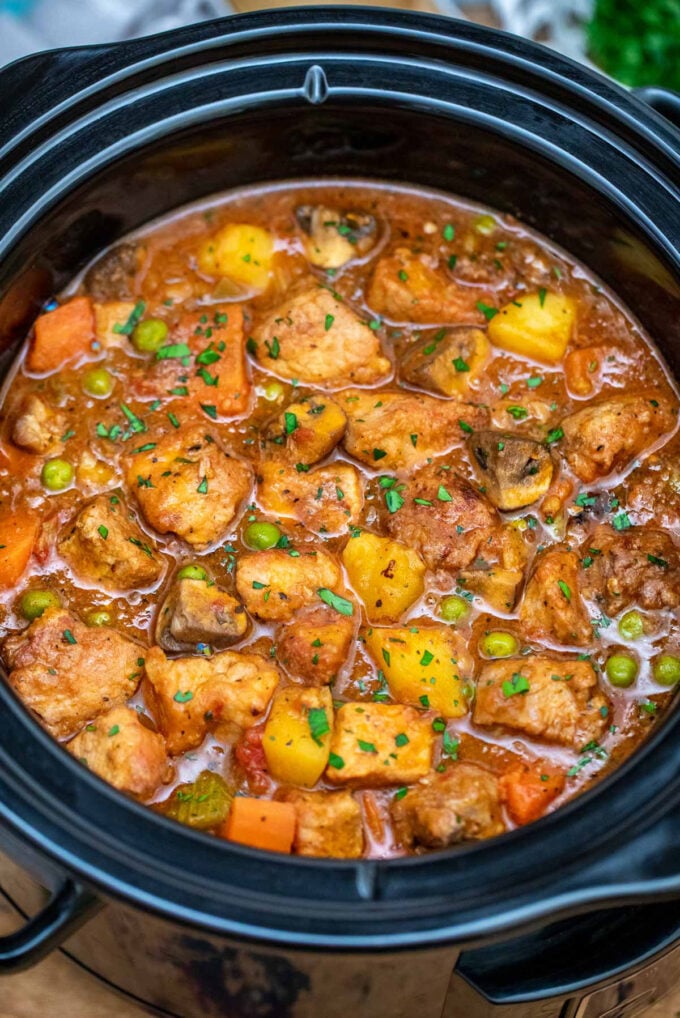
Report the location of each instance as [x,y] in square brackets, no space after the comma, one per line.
[551,698]
[326,500]
[399,430]
[552,608]
[104,546]
[406,288]
[124,751]
[315,337]
[640,565]
[514,471]
[444,518]
[68,673]
[461,803]
[610,434]
[198,611]
[189,485]
[379,744]
[190,695]
[328,824]
[37,427]
[305,432]
[315,644]
[273,585]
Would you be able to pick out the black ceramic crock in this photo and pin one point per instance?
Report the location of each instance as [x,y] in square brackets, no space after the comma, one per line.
[93,143]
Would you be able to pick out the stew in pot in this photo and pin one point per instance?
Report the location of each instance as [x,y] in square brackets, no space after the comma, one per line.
[341,520]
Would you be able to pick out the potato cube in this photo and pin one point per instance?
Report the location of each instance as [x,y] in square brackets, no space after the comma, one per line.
[241,252]
[379,744]
[424,668]
[538,326]
[297,734]
[387,576]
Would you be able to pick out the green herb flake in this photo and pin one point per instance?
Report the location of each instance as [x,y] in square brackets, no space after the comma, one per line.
[516,685]
[335,601]
[181,697]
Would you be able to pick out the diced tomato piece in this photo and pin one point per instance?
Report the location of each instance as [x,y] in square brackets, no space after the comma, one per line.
[250,755]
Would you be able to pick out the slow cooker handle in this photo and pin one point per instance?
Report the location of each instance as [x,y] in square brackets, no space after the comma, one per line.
[70,906]
[662,100]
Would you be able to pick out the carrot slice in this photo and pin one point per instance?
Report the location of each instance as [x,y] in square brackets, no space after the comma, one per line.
[216,337]
[261,823]
[61,335]
[18,535]
[527,791]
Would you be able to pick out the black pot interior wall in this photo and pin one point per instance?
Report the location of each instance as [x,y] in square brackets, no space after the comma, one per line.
[333,140]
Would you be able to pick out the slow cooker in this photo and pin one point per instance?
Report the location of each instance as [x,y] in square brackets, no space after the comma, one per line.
[577,915]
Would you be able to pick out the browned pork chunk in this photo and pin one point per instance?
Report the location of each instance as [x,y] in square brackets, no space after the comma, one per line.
[190,695]
[314,645]
[514,471]
[461,803]
[273,584]
[186,484]
[406,288]
[395,429]
[368,745]
[198,611]
[638,565]
[315,337]
[551,698]
[447,521]
[124,751]
[611,433]
[327,500]
[69,673]
[552,608]
[105,546]
[37,427]
[328,824]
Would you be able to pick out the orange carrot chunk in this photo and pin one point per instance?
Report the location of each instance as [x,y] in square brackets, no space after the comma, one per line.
[527,791]
[216,338]
[61,335]
[18,535]
[261,823]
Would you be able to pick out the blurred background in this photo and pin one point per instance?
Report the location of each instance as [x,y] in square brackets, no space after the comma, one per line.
[635,41]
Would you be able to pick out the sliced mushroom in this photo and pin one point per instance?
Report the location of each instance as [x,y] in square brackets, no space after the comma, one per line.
[448,360]
[196,611]
[333,238]
[515,471]
[305,432]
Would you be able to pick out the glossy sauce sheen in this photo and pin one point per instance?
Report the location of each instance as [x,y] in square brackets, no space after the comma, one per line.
[491,260]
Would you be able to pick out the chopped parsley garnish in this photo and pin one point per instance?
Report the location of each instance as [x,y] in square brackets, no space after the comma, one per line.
[656,561]
[378,454]
[460,364]
[181,697]
[449,232]
[443,495]
[517,412]
[402,739]
[464,426]
[393,500]
[69,637]
[318,723]
[366,747]
[554,436]
[273,348]
[291,422]
[202,489]
[336,761]
[542,295]
[486,310]
[340,604]
[172,351]
[622,521]
[328,322]
[427,657]
[103,531]
[128,326]
[517,684]
[565,589]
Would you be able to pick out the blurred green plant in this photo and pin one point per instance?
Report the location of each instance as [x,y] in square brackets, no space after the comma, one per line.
[637,41]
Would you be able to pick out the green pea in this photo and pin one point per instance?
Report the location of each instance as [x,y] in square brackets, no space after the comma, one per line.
[34,602]
[273,391]
[98,382]
[666,669]
[499,644]
[192,573]
[454,609]
[99,617]
[631,626]
[485,224]
[621,670]
[262,536]
[56,474]
[148,336]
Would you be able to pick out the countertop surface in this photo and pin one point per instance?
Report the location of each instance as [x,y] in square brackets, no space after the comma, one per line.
[58,988]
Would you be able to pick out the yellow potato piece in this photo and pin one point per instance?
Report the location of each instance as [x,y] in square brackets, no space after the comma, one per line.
[538,326]
[241,252]
[297,735]
[387,576]
[422,668]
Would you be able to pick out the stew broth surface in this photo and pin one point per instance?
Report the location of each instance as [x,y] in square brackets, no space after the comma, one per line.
[466,451]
